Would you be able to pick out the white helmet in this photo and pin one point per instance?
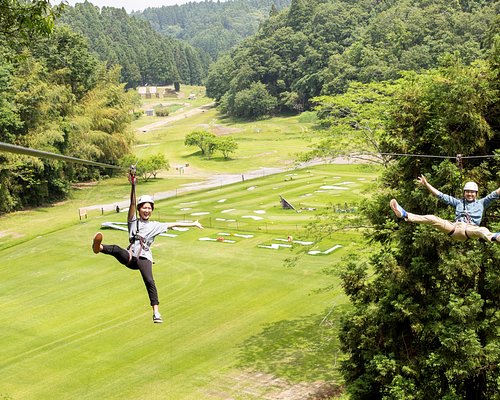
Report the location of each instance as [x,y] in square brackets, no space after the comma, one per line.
[146,199]
[471,186]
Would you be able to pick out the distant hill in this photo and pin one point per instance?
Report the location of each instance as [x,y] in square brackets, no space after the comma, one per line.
[146,56]
[320,46]
[213,26]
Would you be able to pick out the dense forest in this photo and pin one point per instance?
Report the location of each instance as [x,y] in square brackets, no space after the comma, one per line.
[213,26]
[424,320]
[319,46]
[55,96]
[145,56]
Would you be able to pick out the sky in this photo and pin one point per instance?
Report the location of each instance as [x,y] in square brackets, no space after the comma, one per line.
[129,5]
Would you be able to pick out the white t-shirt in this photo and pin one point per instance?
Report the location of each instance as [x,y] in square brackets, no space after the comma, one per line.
[147,231]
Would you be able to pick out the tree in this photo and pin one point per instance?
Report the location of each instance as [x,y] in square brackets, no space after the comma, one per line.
[68,60]
[319,47]
[253,102]
[424,321]
[150,166]
[226,145]
[354,122]
[24,20]
[204,140]
[219,77]
[146,56]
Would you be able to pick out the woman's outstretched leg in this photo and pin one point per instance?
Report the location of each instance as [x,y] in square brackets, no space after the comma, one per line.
[122,255]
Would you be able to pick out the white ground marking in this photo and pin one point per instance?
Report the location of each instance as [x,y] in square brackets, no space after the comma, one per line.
[274,246]
[255,218]
[314,252]
[296,241]
[328,187]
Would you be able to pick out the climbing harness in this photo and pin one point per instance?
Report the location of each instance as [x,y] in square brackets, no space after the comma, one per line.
[465,213]
[136,237]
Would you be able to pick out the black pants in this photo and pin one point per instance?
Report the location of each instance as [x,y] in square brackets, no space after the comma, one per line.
[142,264]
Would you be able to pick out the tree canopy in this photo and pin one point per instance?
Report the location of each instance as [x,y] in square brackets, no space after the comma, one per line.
[319,47]
[212,26]
[55,96]
[424,322]
[145,56]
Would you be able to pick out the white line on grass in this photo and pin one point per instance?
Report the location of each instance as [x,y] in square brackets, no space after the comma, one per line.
[314,252]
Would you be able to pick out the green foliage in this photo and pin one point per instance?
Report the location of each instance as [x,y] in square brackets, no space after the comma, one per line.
[209,143]
[204,140]
[161,111]
[354,123]
[68,60]
[319,47]
[425,319]
[212,26]
[20,21]
[56,97]
[148,167]
[145,56]
[250,103]
[227,145]
[217,80]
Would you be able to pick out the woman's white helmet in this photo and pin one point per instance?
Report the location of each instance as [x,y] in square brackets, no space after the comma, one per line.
[471,186]
[146,198]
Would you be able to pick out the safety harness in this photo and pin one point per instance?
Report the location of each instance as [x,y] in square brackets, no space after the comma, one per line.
[136,237]
[465,213]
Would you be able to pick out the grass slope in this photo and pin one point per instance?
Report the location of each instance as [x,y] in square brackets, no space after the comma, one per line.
[75,325]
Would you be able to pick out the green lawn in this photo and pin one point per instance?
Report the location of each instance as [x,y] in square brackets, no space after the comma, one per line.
[78,326]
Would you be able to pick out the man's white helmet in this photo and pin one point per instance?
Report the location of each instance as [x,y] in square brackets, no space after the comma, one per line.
[471,186]
[146,199]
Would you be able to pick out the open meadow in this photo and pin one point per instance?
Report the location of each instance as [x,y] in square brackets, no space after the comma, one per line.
[239,323]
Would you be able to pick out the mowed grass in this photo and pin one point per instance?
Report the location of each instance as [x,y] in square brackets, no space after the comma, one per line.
[268,143]
[75,325]
[78,325]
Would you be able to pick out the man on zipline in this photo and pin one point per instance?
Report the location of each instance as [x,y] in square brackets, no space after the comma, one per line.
[468,213]
[142,233]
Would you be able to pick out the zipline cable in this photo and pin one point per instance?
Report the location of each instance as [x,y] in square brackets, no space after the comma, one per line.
[45,154]
[11,148]
[421,155]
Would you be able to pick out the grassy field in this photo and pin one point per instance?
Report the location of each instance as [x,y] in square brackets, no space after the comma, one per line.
[239,324]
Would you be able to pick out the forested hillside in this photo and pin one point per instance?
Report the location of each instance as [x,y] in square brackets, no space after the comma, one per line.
[55,96]
[424,323]
[146,57]
[213,26]
[320,46]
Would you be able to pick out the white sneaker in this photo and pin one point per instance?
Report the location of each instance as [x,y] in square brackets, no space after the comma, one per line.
[157,319]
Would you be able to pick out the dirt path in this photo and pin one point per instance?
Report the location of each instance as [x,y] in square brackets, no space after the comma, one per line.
[219,180]
[176,117]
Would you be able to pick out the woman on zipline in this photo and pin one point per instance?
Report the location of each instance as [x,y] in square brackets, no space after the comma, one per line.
[142,233]
[468,213]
